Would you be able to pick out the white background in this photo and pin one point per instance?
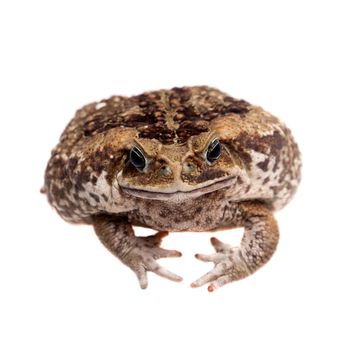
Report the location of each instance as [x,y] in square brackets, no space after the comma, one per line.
[60,289]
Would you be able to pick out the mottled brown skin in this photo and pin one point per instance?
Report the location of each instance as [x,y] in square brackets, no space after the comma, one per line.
[91,179]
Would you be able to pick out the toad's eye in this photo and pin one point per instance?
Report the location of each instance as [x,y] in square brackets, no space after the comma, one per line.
[137,158]
[213,152]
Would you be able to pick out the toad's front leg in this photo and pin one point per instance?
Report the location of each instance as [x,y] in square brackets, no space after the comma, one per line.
[139,253]
[258,244]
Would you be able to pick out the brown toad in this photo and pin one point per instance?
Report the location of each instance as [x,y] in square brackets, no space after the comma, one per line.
[185,159]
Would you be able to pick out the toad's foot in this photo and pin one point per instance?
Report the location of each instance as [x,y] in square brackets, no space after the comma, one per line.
[143,255]
[229,266]
[139,253]
[258,244]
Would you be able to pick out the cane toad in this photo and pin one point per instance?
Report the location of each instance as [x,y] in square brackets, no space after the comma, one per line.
[184,159]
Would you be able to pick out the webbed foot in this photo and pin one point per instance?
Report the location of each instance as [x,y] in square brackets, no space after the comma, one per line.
[229,265]
[143,255]
[138,253]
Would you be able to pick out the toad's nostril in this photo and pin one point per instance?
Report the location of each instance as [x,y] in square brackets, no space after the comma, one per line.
[188,167]
[165,170]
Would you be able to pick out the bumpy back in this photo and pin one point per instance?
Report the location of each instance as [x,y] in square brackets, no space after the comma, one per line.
[263,143]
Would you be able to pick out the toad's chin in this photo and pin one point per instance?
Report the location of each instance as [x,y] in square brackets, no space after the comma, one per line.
[178,193]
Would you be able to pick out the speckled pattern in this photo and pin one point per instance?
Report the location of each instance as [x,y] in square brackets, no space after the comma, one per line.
[90,178]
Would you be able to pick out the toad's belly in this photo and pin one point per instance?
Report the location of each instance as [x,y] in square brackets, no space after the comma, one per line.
[200,214]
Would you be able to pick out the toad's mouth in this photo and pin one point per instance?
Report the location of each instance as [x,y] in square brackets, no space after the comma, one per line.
[179,194]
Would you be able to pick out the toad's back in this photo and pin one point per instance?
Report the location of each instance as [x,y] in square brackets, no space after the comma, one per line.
[264,146]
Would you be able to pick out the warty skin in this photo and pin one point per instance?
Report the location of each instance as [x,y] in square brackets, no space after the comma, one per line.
[185,159]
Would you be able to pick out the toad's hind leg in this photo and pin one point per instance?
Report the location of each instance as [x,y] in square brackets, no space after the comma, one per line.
[258,244]
[139,253]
